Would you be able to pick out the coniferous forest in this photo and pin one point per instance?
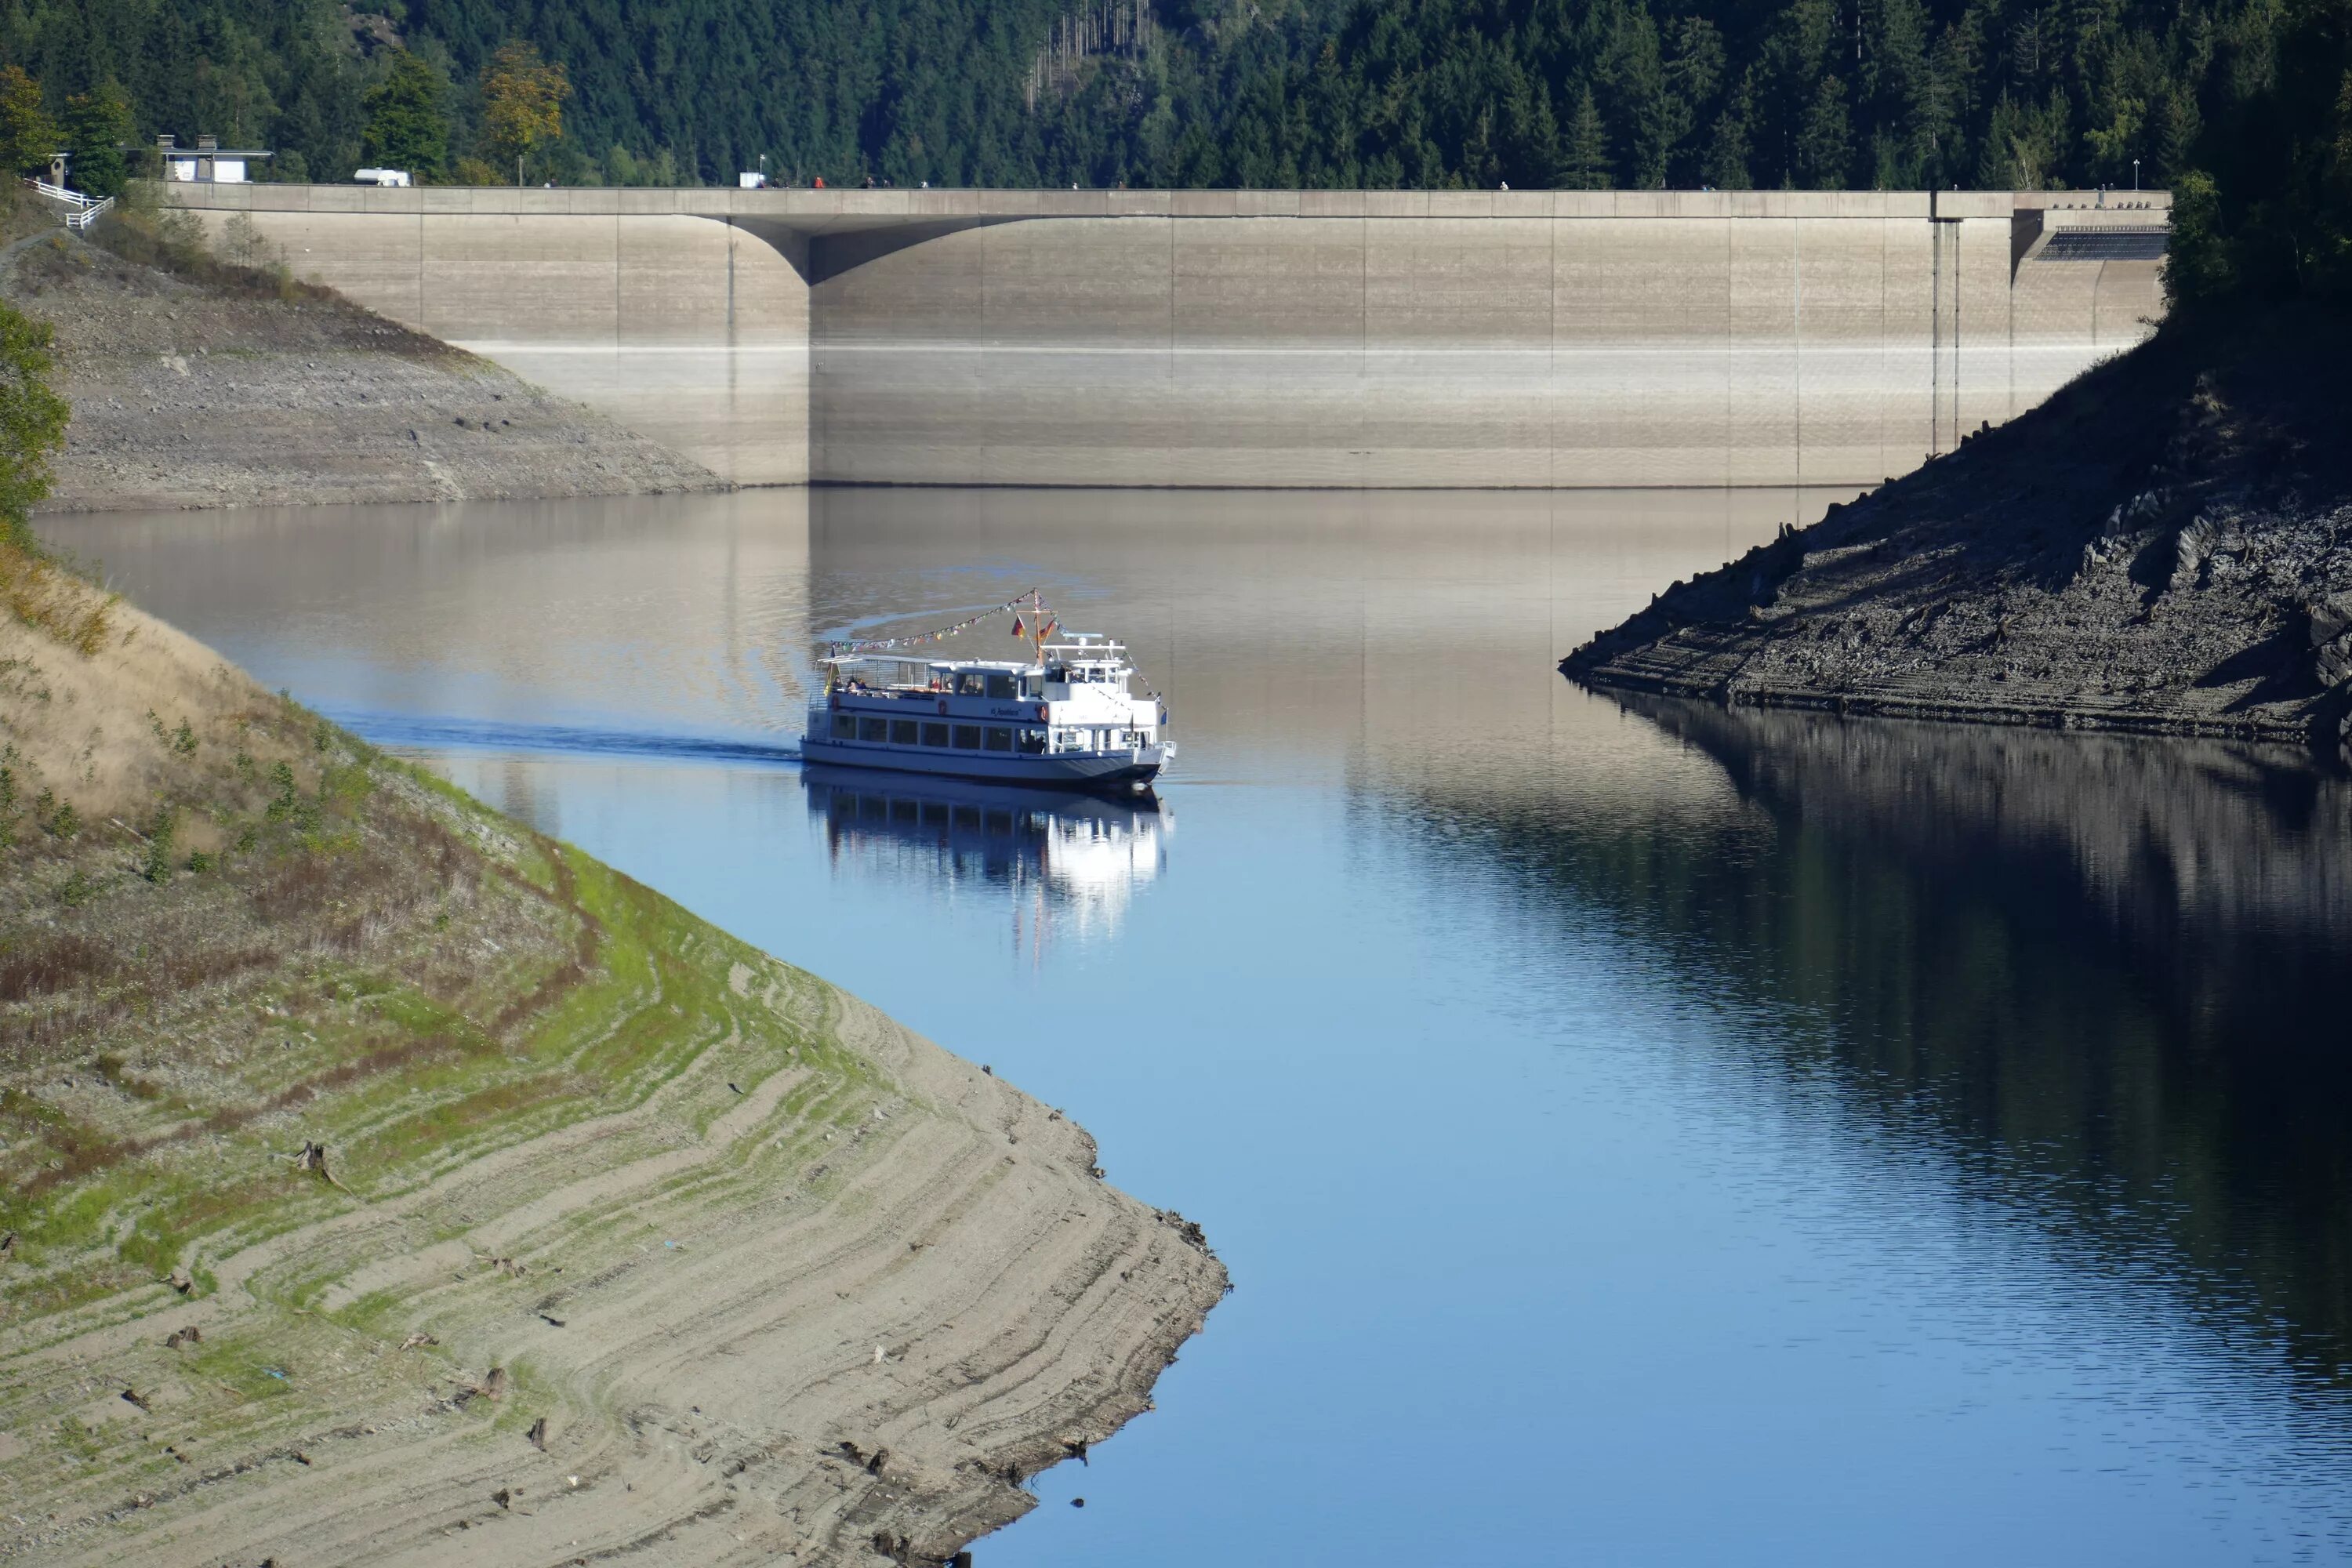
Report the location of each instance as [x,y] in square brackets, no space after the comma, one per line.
[2244,106]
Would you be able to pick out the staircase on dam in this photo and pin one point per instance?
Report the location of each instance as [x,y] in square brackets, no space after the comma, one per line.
[1257,338]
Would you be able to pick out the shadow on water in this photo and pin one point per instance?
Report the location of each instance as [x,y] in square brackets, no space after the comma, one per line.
[2107,976]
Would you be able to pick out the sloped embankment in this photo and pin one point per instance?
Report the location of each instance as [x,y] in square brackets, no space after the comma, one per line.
[226,388]
[2166,546]
[382,1182]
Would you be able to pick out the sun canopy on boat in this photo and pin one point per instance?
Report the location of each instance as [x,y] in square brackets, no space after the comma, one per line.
[1004,666]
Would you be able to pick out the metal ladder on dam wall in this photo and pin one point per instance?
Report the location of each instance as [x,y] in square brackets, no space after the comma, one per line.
[1944,294]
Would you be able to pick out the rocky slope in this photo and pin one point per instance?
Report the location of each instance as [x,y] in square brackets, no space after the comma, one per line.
[2165,546]
[381,1182]
[192,393]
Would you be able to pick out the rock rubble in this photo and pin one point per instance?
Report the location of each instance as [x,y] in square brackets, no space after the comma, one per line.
[2166,546]
[187,395]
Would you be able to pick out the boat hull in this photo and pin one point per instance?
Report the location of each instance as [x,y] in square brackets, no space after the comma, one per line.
[1129,770]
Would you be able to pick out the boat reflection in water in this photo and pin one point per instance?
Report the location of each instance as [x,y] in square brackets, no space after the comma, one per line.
[1070,861]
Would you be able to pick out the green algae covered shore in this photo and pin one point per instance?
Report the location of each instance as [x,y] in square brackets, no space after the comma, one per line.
[384,1181]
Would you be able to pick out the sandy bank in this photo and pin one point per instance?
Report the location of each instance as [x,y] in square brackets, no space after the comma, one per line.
[630,1242]
[2164,547]
[191,394]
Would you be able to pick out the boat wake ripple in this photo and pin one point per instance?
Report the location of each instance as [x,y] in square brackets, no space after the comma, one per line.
[427,732]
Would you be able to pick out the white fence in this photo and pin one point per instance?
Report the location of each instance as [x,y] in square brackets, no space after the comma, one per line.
[87,209]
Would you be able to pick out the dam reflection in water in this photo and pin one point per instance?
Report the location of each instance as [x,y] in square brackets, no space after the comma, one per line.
[1640,1133]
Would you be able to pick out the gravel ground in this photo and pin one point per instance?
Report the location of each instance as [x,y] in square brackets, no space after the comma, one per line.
[2164,547]
[190,395]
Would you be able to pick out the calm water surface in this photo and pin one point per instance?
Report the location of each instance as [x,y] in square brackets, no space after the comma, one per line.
[1639,1135]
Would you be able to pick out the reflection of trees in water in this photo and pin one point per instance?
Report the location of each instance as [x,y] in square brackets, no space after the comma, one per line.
[2111,976]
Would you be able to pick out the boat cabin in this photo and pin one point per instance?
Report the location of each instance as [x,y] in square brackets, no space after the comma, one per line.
[1071,700]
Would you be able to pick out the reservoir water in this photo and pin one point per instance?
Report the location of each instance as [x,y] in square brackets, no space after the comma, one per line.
[1639,1134]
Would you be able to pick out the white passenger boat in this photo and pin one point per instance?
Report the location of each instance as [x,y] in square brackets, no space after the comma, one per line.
[1065,716]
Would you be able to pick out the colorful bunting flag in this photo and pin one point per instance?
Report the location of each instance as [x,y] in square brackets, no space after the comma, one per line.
[922,639]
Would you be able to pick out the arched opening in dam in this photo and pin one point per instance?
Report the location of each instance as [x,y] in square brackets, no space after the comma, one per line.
[1277,339]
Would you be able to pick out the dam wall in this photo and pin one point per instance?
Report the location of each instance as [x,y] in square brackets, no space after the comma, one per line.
[1224,338]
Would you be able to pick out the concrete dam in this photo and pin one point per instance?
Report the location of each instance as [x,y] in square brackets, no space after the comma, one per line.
[1257,338]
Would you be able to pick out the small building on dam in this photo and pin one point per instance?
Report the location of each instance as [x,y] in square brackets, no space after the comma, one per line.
[1257,338]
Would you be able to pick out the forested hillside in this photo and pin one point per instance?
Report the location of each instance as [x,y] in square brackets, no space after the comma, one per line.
[1580,93]
[661,91]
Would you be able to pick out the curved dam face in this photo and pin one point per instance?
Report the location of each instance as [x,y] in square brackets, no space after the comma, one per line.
[1258,338]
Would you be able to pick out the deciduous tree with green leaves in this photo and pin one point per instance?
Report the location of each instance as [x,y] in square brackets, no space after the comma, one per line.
[32,423]
[28,135]
[522,104]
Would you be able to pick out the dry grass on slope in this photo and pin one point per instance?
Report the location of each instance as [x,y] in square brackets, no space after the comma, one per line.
[614,1216]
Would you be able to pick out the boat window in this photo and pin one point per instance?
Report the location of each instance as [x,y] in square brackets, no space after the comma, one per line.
[905,810]
[999,738]
[935,734]
[971,683]
[902,732]
[968,818]
[874,728]
[1001,686]
[1029,684]
[967,737]
[1031,742]
[844,726]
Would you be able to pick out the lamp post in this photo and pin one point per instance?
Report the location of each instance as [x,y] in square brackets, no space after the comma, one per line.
[2134,175]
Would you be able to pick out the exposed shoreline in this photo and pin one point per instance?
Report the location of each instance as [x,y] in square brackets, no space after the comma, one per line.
[2164,548]
[630,1242]
[189,396]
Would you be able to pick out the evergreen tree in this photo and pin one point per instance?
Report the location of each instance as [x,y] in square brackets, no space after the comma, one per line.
[98,129]
[407,126]
[1725,167]
[2177,126]
[1584,157]
[1825,145]
[1693,75]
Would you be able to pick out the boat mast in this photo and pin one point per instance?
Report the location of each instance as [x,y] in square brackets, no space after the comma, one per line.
[1037,625]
